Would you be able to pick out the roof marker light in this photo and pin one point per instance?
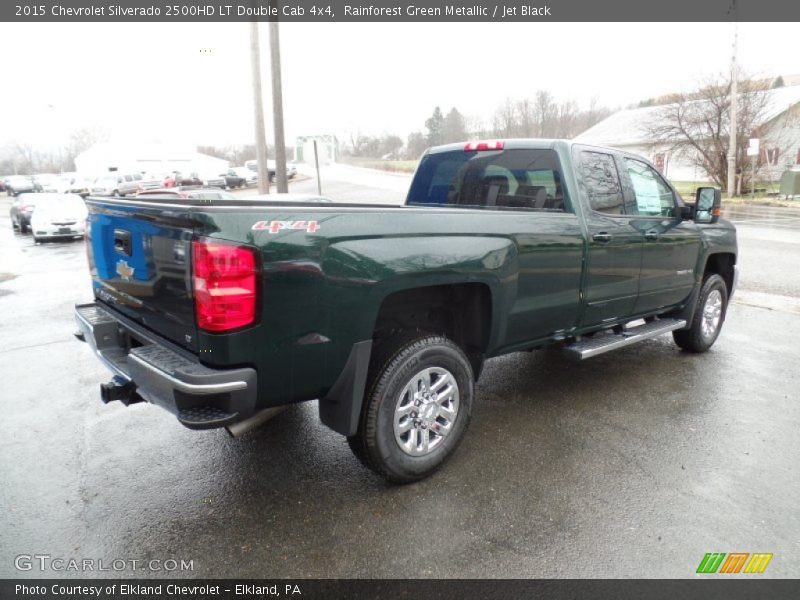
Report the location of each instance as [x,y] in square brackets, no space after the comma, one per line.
[484,145]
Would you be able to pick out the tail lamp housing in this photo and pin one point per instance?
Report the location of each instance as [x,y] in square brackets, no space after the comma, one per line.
[225,285]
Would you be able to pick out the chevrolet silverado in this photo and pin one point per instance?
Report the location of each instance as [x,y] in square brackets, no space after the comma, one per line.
[221,311]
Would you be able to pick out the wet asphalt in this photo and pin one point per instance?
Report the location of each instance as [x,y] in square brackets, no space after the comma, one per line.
[632,464]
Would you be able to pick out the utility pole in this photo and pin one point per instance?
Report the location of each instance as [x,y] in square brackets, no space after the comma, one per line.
[258,105]
[734,107]
[277,107]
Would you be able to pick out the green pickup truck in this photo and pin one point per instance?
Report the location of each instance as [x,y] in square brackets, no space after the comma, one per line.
[222,311]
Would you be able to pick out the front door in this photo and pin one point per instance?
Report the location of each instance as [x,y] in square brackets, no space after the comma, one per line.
[671,245]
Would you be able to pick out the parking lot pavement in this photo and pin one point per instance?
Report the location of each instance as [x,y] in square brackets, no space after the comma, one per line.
[634,463]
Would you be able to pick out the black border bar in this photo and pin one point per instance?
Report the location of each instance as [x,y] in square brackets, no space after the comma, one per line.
[705,588]
[397,11]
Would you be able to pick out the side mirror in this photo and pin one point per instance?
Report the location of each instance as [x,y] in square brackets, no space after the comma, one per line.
[708,205]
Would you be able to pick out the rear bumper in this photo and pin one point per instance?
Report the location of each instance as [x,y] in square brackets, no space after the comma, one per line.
[148,367]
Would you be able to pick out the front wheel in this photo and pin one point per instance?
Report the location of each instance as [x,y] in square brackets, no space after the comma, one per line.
[712,304]
[417,407]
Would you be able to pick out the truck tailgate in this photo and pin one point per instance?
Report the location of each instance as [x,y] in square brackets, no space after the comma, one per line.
[140,260]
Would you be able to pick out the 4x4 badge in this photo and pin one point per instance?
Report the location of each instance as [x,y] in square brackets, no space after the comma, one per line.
[124,271]
[278,226]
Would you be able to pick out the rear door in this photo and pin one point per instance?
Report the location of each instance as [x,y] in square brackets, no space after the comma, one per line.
[615,244]
[140,257]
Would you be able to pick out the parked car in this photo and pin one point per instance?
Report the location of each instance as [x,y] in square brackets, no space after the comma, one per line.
[21,210]
[69,183]
[234,179]
[105,185]
[208,180]
[191,192]
[42,181]
[178,178]
[220,314]
[58,216]
[249,175]
[122,184]
[291,169]
[19,184]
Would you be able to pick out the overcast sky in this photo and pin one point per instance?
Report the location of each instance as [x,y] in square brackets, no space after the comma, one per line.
[191,82]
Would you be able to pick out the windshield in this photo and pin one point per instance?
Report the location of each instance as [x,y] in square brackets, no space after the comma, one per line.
[522,179]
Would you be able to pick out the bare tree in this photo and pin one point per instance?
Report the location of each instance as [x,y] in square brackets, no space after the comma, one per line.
[696,126]
[504,120]
[546,113]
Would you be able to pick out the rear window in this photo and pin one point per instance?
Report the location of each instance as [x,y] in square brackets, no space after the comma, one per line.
[507,179]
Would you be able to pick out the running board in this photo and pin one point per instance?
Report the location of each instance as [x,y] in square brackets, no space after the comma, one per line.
[589,347]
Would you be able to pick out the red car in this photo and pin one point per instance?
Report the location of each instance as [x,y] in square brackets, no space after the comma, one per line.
[176,178]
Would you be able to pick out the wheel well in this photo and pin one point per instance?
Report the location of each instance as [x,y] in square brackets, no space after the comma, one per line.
[722,264]
[462,312]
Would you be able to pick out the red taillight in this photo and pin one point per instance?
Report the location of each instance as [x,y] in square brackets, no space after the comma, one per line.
[224,285]
[481,146]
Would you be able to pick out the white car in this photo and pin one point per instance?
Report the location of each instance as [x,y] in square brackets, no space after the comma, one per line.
[105,185]
[58,216]
[69,183]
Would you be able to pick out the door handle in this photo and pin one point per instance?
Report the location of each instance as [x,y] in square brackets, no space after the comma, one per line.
[651,236]
[602,237]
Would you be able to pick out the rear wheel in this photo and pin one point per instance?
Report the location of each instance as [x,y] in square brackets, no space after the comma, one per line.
[417,407]
[709,315]
[23,227]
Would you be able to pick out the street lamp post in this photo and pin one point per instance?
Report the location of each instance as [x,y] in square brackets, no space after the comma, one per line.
[734,102]
[260,130]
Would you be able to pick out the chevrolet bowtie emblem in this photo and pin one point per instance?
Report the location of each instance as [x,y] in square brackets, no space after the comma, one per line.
[124,271]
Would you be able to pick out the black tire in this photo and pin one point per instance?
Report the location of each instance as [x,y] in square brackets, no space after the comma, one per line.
[694,339]
[395,363]
[23,227]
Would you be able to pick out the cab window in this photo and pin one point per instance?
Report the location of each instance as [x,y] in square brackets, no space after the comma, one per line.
[652,195]
[513,179]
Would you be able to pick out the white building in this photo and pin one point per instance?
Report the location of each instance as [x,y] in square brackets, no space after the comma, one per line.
[780,141]
[146,158]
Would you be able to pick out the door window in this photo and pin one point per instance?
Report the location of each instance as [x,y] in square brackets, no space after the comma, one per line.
[652,195]
[602,183]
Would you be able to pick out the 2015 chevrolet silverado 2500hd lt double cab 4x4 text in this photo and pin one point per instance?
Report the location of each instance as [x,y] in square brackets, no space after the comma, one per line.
[220,311]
